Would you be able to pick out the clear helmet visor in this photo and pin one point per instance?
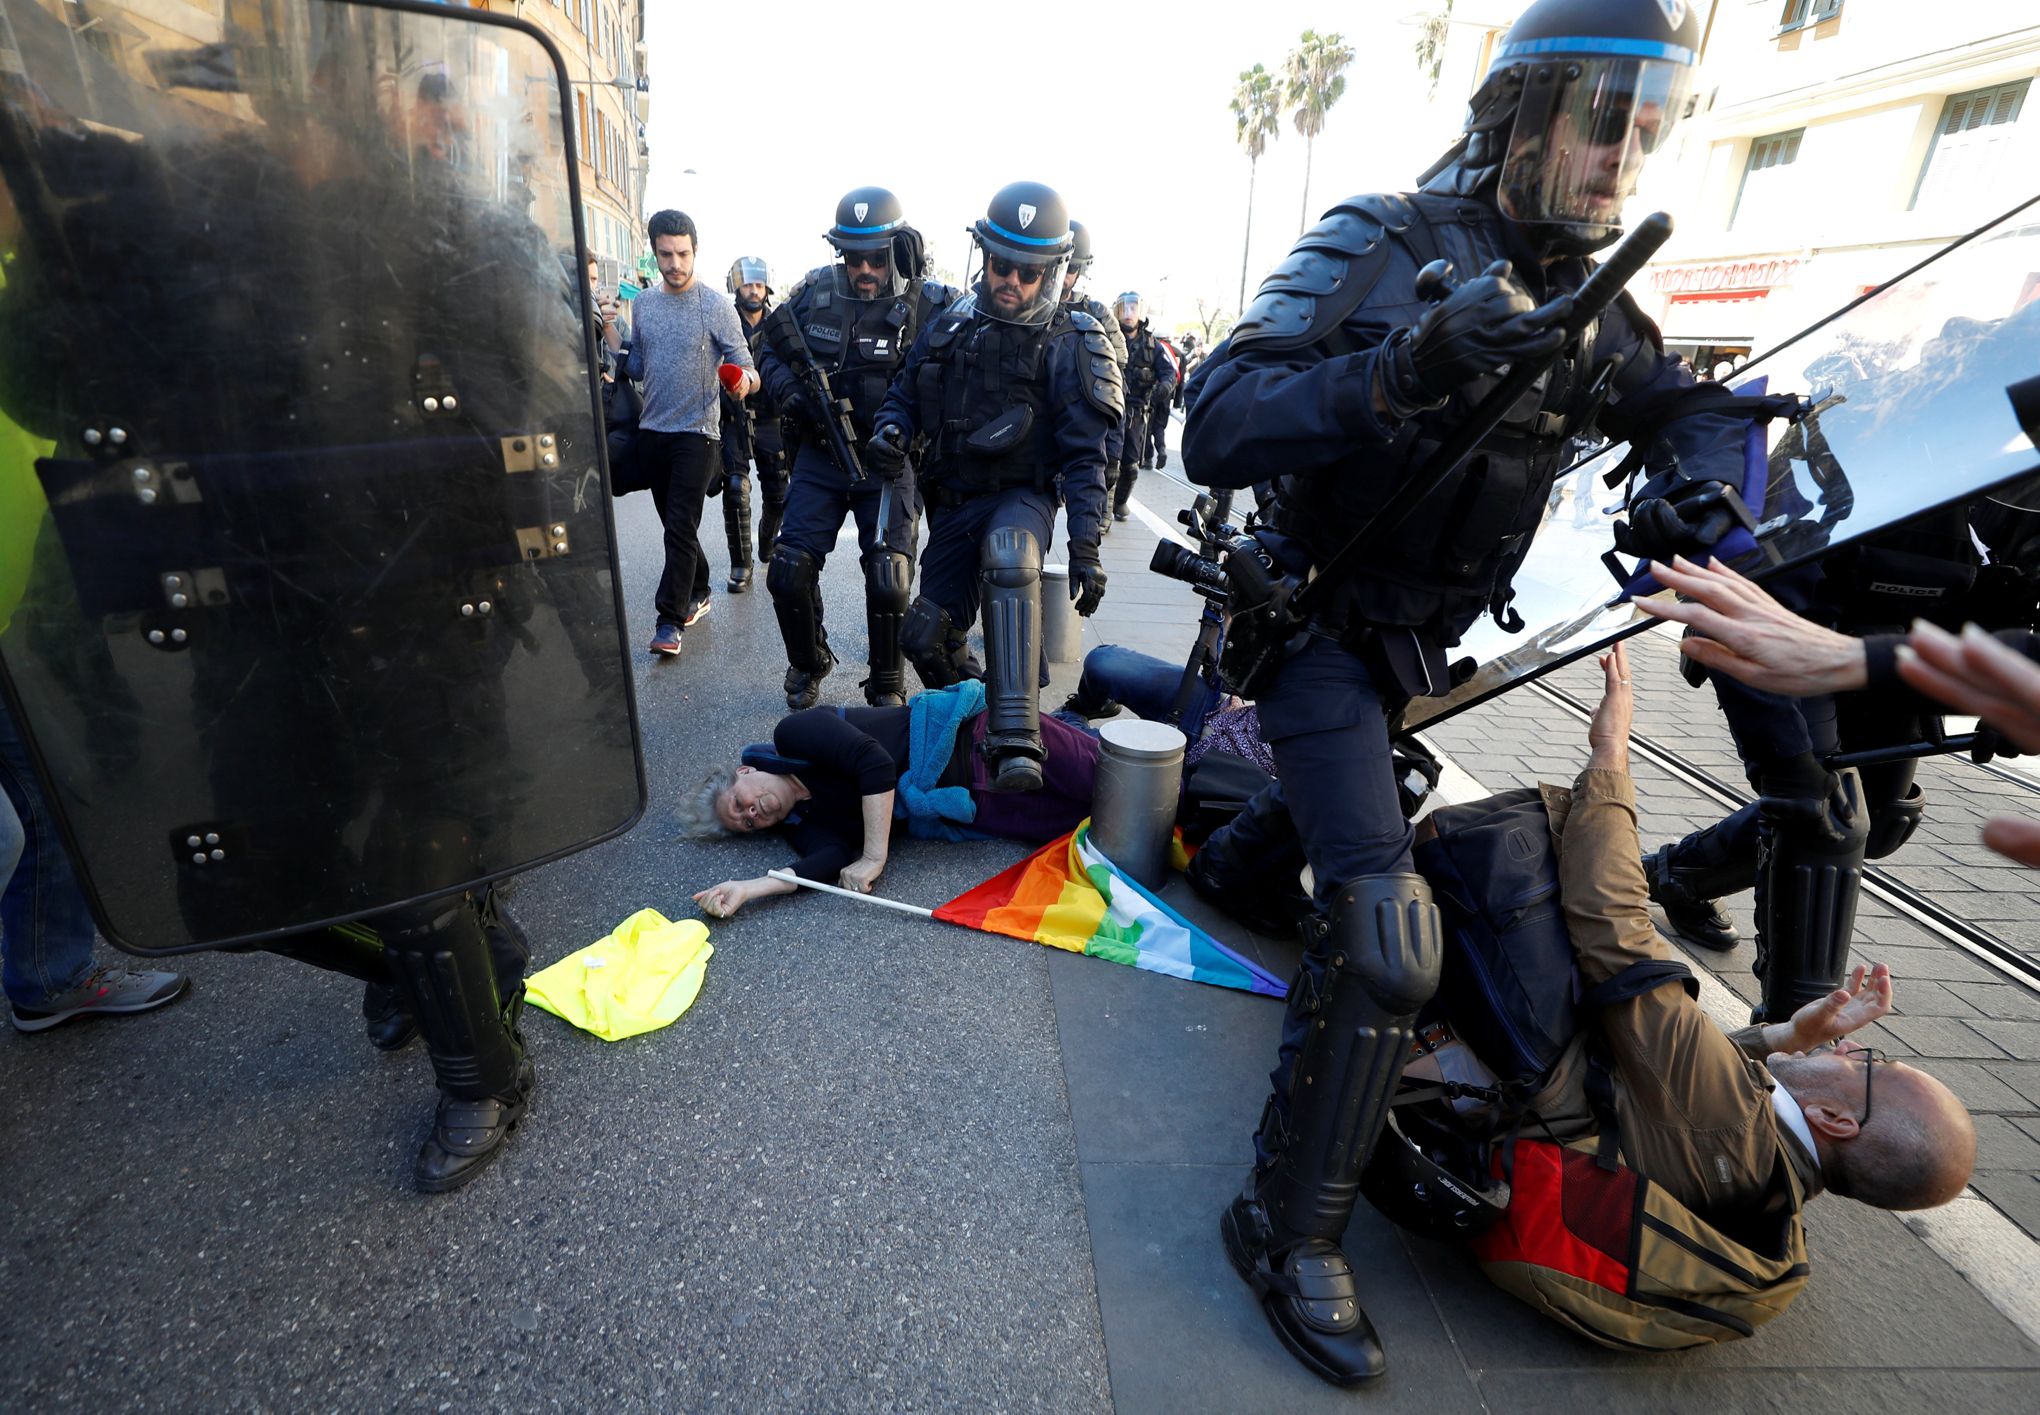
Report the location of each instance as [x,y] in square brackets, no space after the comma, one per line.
[1129,310]
[1016,285]
[1583,129]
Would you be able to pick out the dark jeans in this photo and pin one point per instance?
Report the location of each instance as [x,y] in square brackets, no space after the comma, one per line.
[46,928]
[1142,684]
[678,468]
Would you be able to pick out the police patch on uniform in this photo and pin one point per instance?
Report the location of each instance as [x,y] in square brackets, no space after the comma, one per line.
[827,333]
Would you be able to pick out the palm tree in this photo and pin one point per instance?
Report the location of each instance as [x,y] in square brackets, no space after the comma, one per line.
[1431,32]
[1313,79]
[1257,117]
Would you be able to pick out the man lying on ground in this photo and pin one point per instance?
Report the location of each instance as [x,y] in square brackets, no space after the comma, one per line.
[1752,637]
[838,780]
[1707,1113]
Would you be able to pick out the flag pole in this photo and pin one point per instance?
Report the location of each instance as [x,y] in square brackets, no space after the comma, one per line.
[789,877]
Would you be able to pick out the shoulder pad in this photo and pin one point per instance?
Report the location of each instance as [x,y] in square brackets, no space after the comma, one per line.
[1326,274]
[1098,372]
[1082,319]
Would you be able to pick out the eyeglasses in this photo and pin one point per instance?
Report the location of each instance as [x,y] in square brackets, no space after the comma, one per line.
[1872,1059]
[875,260]
[1012,270]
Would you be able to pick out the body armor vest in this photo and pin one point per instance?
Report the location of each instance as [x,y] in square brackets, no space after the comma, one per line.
[1140,364]
[1924,569]
[861,344]
[976,369]
[1452,558]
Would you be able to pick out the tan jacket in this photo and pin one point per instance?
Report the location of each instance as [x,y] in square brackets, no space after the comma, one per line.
[1693,1102]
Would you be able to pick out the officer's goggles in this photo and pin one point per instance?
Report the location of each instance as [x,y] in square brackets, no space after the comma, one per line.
[875,260]
[1013,270]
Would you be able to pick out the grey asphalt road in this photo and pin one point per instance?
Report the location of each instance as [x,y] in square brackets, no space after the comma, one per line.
[846,1180]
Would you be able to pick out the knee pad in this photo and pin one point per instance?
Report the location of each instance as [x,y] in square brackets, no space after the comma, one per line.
[925,635]
[1893,823]
[1009,558]
[888,580]
[792,572]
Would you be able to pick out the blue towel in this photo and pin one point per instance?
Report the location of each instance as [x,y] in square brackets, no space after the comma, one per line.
[933,811]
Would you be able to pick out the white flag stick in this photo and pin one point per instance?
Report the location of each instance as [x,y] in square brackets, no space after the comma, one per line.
[790,877]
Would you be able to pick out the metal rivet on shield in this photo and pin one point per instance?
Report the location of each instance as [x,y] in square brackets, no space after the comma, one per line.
[178,636]
[431,405]
[116,435]
[212,837]
[451,403]
[141,474]
[559,547]
[467,611]
[194,842]
[93,437]
[199,858]
[485,606]
[147,496]
[559,530]
[180,601]
[155,636]
[550,459]
[545,439]
[219,854]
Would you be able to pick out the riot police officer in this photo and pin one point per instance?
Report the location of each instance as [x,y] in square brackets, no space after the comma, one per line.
[1341,376]
[750,433]
[1150,383]
[1015,393]
[851,323]
[1802,844]
[1073,297]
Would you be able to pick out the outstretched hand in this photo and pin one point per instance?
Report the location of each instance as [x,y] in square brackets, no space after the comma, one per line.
[722,900]
[1865,999]
[1978,675]
[1608,732]
[1753,638]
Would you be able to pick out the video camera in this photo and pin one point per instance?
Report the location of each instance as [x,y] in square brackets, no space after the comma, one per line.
[1205,572]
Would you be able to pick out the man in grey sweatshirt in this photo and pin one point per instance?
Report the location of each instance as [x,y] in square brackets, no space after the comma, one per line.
[682,332]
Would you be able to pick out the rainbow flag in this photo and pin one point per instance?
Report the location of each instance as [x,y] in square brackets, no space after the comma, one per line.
[1069,896]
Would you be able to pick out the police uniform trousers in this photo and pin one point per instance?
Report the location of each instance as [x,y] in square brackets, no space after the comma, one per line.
[820,492]
[949,565]
[1327,724]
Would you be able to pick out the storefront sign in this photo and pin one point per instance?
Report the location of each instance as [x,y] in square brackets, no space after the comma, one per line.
[1738,275]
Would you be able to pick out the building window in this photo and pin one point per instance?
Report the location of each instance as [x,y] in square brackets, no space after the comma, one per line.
[1969,146]
[581,126]
[1766,184]
[1798,14]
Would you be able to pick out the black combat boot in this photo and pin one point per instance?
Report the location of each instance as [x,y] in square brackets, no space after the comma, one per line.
[1687,878]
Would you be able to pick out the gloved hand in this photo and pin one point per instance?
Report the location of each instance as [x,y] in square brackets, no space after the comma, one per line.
[806,407]
[1087,578]
[1689,520]
[1481,326]
[886,451]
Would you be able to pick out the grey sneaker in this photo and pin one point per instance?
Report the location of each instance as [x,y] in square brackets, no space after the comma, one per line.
[110,988]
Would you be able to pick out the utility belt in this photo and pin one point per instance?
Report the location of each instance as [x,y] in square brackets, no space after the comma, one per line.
[948,489]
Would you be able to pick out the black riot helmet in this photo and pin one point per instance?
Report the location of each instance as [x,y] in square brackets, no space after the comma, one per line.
[750,270]
[1130,307]
[868,219]
[1027,226]
[1080,248]
[1581,92]
[1431,1180]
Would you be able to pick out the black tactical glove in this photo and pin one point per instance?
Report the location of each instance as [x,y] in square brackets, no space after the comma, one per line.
[1481,326]
[1688,520]
[886,450]
[1087,578]
[806,407]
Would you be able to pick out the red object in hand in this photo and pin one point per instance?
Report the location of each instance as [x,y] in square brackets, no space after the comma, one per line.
[731,375]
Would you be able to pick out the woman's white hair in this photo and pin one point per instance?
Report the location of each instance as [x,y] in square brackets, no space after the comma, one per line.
[697,812]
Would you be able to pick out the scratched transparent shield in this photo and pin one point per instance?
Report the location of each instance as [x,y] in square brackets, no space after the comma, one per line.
[1926,393]
[309,601]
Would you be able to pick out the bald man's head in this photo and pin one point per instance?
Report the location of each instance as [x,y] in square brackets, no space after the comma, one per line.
[1915,1152]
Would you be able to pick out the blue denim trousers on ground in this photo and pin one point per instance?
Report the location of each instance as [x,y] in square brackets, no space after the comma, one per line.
[1143,684]
[46,929]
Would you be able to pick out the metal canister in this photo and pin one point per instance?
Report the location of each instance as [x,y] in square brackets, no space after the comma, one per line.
[1133,810]
[1062,632]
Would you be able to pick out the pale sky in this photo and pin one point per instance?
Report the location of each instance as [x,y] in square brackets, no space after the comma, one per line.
[1122,109]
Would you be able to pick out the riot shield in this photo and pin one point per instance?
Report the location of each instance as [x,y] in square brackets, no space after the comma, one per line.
[312,608]
[1924,394]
